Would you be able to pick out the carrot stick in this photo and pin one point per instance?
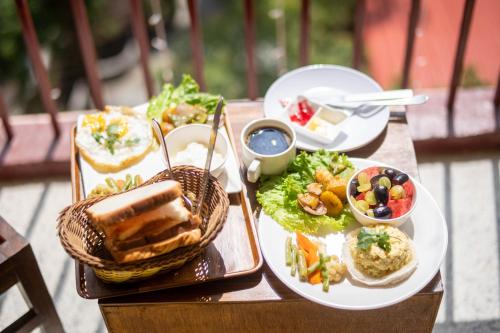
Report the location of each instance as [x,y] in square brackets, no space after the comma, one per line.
[120,184]
[315,277]
[311,252]
[311,258]
[305,243]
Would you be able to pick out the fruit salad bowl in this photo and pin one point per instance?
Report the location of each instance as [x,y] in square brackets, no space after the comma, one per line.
[381,194]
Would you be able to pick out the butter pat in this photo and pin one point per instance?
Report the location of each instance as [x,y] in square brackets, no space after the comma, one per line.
[332,115]
[324,122]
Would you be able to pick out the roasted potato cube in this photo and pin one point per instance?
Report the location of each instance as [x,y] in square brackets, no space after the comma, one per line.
[335,184]
[338,186]
[332,202]
[323,177]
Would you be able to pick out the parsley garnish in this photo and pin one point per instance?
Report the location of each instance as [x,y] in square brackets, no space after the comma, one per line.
[112,137]
[113,130]
[131,142]
[367,237]
[97,137]
[113,133]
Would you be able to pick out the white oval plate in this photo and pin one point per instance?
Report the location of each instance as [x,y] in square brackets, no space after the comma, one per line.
[356,131]
[154,163]
[427,228]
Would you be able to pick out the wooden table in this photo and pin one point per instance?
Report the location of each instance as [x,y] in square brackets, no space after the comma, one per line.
[260,302]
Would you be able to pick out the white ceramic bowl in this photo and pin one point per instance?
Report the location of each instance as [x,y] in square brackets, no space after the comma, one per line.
[178,139]
[367,220]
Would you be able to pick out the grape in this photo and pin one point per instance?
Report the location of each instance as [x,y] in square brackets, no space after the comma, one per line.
[390,173]
[381,194]
[353,199]
[400,179]
[374,180]
[363,178]
[384,181]
[364,187]
[370,198]
[382,212]
[397,192]
[353,187]
[362,205]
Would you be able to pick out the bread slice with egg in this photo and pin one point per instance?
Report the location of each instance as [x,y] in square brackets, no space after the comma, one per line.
[133,141]
[145,222]
[358,275]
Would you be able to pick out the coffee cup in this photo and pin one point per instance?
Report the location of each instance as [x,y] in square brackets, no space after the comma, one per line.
[268,146]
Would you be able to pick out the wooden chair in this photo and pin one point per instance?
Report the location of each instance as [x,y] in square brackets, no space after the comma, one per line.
[18,264]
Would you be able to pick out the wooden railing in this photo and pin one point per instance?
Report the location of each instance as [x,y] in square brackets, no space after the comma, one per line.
[33,48]
[88,51]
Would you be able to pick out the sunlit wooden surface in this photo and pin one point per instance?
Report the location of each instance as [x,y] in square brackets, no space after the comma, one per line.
[260,302]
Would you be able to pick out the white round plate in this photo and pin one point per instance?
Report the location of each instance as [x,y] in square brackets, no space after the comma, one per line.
[356,131]
[426,227]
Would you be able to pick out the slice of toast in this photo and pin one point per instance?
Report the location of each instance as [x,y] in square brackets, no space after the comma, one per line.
[163,217]
[120,207]
[151,250]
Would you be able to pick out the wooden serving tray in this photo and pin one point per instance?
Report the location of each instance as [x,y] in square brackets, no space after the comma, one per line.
[235,252]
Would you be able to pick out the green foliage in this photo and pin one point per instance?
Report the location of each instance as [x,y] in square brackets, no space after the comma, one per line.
[187,92]
[55,31]
[223,36]
[224,41]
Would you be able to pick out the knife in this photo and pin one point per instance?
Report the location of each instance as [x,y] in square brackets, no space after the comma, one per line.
[208,162]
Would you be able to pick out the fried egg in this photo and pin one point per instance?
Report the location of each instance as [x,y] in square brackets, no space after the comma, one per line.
[113,139]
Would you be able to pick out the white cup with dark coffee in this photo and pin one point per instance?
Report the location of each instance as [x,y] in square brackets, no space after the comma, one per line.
[268,147]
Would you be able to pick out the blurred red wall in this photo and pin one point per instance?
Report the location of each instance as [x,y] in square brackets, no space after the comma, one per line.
[385,31]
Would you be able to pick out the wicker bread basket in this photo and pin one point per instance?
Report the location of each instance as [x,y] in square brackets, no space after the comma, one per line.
[85,243]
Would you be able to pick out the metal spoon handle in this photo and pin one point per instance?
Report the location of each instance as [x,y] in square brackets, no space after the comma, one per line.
[208,162]
[415,100]
[161,138]
[377,96]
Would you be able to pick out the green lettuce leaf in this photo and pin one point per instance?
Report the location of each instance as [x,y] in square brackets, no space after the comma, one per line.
[160,103]
[278,194]
[188,91]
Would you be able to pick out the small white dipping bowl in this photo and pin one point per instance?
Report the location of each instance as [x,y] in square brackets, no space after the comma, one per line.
[179,138]
[367,220]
